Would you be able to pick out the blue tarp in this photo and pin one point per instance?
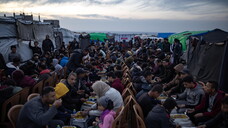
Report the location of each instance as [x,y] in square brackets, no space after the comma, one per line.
[164,35]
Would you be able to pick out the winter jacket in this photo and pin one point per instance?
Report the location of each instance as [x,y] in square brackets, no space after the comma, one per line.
[64,61]
[35,49]
[216,105]
[47,45]
[147,103]
[108,120]
[117,84]
[35,114]
[193,96]
[11,68]
[158,118]
[75,61]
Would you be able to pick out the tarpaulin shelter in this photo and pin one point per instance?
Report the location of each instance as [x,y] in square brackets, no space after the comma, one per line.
[98,36]
[183,36]
[207,57]
[164,35]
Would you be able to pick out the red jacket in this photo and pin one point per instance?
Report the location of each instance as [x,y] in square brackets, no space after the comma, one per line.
[216,105]
[118,85]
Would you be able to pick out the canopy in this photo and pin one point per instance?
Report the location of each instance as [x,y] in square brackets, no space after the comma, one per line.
[164,35]
[98,36]
[183,36]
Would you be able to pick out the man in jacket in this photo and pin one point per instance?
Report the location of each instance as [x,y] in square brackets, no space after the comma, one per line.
[210,105]
[159,116]
[36,48]
[221,120]
[38,113]
[191,96]
[47,45]
[149,99]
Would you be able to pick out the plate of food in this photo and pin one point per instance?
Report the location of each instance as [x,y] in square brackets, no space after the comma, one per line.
[69,127]
[79,116]
[89,102]
[179,116]
[162,98]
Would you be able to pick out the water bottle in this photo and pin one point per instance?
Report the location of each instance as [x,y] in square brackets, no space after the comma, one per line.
[58,126]
[74,111]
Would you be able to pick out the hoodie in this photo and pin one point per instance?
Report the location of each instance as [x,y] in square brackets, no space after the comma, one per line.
[158,118]
[11,68]
[64,61]
[55,63]
[108,120]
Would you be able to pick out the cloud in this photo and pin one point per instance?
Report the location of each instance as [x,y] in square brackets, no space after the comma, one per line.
[96,16]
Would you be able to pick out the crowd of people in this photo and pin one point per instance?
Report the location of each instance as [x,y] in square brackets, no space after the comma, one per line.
[155,67]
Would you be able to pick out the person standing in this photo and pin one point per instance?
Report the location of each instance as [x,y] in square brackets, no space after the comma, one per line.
[13,54]
[47,45]
[36,48]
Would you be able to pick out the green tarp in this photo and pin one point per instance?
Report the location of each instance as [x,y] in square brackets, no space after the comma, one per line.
[98,36]
[183,36]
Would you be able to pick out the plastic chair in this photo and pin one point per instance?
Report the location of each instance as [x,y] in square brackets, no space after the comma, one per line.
[117,121]
[126,92]
[137,108]
[13,114]
[32,96]
[14,100]
[38,87]
[139,121]
[24,94]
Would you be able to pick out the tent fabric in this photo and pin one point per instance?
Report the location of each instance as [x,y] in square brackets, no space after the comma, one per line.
[98,36]
[5,46]
[41,30]
[25,31]
[207,59]
[223,81]
[164,35]
[24,50]
[8,30]
[183,36]
[68,35]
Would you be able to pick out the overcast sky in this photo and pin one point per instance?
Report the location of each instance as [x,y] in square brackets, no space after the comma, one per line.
[127,15]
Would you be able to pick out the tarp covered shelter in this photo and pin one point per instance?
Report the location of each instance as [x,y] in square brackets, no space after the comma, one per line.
[164,35]
[98,36]
[183,36]
[207,57]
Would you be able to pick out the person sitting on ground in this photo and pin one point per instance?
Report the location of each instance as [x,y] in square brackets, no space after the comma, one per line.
[210,105]
[159,116]
[108,115]
[192,95]
[220,120]
[149,99]
[115,82]
[38,113]
[103,89]
[14,54]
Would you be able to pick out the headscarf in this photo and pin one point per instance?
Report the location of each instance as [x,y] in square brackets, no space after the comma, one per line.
[100,88]
[55,62]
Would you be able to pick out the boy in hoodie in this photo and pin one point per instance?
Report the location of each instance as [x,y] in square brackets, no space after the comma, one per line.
[12,66]
[210,105]
[192,95]
[115,82]
[159,116]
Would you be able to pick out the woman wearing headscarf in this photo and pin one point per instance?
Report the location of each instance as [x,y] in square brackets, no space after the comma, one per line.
[103,89]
